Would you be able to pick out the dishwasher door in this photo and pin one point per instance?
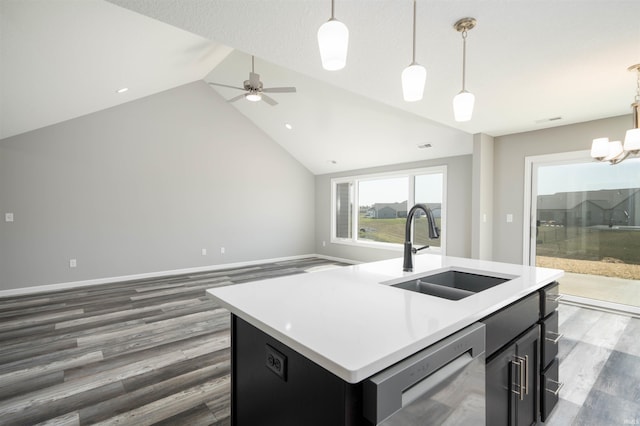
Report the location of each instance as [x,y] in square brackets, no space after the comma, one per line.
[443,384]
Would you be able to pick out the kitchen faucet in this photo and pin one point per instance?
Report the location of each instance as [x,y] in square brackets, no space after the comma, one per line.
[408,246]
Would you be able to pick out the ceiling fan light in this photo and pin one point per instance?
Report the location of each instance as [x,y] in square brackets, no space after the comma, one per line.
[413,79]
[333,41]
[632,140]
[463,106]
[600,148]
[253,97]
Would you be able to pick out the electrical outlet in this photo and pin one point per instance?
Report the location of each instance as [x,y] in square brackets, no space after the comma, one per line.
[509,218]
[222,250]
[204,251]
[324,244]
[276,362]
[8,217]
[73,263]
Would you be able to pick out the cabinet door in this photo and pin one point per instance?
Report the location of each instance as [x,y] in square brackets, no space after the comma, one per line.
[527,358]
[512,383]
[501,383]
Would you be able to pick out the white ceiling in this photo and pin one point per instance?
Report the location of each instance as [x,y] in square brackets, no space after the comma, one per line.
[61,59]
[527,61]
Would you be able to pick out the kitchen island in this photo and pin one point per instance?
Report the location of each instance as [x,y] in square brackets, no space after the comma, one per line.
[353,323]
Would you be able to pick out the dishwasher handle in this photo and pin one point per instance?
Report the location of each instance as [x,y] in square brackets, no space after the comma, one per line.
[390,390]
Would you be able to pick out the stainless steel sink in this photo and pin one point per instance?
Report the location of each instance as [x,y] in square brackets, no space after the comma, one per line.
[453,284]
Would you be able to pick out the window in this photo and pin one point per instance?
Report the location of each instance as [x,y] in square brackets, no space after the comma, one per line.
[587,222]
[372,209]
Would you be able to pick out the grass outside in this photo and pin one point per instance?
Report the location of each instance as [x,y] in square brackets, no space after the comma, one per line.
[392,230]
[579,243]
[605,252]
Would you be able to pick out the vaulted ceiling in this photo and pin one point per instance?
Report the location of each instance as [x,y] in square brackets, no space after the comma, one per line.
[528,63]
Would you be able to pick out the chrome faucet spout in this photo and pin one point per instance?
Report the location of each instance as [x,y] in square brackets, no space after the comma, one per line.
[408,246]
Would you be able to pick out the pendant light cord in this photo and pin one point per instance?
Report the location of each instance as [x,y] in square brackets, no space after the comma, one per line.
[332,9]
[413,57]
[638,85]
[464,57]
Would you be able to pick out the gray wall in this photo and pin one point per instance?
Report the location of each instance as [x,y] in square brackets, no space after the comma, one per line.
[458,210]
[509,158]
[143,187]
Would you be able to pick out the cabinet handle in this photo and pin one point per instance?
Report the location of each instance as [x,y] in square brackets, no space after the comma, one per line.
[557,339]
[524,372]
[559,386]
[554,297]
[520,391]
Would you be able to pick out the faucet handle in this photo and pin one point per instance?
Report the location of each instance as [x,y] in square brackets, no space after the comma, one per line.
[415,250]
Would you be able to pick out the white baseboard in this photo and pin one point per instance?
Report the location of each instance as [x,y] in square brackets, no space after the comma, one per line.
[336,259]
[97,281]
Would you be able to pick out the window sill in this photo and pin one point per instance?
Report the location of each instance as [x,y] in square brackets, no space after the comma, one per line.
[381,246]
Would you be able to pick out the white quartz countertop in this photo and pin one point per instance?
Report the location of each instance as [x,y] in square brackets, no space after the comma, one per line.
[350,321]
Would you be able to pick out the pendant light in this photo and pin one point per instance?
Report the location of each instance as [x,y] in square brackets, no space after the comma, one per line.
[613,151]
[333,41]
[463,101]
[415,75]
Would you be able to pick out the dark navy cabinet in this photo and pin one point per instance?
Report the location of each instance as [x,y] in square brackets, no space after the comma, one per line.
[273,385]
[549,337]
[512,374]
[522,366]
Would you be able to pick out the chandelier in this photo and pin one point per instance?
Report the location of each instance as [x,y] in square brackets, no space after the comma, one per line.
[602,149]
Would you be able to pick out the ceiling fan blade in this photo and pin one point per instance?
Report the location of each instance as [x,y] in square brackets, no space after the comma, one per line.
[226,85]
[269,100]
[236,98]
[280,90]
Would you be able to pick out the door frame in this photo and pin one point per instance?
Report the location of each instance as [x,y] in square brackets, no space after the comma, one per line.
[531,166]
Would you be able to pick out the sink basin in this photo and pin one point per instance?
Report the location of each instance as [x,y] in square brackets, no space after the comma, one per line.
[453,284]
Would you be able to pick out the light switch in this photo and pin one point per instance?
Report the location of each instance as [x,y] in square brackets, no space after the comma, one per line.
[8,217]
[509,218]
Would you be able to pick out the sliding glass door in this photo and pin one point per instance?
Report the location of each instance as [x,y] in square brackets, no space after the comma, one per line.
[585,219]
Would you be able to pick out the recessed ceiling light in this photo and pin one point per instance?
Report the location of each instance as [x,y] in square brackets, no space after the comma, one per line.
[288,126]
[122,90]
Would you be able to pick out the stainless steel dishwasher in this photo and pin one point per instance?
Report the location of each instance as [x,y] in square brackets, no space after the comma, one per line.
[443,384]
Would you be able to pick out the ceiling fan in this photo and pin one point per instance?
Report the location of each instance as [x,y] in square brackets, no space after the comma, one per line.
[254,90]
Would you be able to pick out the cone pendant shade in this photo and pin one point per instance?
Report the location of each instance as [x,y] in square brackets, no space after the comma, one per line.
[463,106]
[413,79]
[333,41]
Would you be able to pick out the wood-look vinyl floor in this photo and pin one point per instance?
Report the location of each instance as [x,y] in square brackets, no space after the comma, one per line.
[600,367]
[150,351]
[156,351]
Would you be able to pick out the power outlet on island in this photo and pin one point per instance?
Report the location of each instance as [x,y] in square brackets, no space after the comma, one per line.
[276,362]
